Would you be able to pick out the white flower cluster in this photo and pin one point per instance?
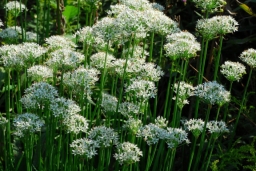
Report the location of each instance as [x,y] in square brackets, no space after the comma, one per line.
[181,46]
[233,71]
[84,147]
[217,25]
[27,123]
[196,126]
[128,109]
[249,57]
[157,6]
[38,95]
[65,59]
[40,72]
[62,107]
[109,102]
[9,33]
[85,35]
[175,137]
[161,122]
[127,153]
[104,136]
[16,6]
[212,93]
[98,60]
[58,42]
[31,37]
[133,125]
[210,5]
[3,120]
[216,128]
[183,91]
[75,123]
[141,89]
[140,5]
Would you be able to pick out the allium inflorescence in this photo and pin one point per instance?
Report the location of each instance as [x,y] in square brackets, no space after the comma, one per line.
[75,124]
[127,153]
[218,25]
[85,35]
[128,109]
[109,102]
[183,91]
[133,125]
[161,122]
[212,93]
[233,71]
[196,126]
[40,72]
[16,6]
[84,147]
[140,5]
[58,42]
[175,137]
[38,95]
[210,5]
[31,37]
[3,120]
[27,123]
[98,60]
[216,128]
[157,6]
[104,136]
[9,33]
[249,57]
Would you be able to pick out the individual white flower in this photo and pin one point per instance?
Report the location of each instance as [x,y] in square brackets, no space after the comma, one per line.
[249,57]
[85,35]
[58,42]
[157,6]
[141,89]
[196,126]
[151,133]
[212,93]
[15,7]
[161,122]
[40,72]
[108,102]
[104,136]
[27,123]
[133,125]
[183,91]
[84,147]
[3,120]
[216,128]
[38,95]
[75,123]
[127,153]
[62,107]
[65,59]
[128,109]
[210,5]
[98,60]
[181,48]
[233,71]
[175,137]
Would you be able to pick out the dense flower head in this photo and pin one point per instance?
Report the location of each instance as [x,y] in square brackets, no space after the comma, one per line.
[58,42]
[18,29]
[65,59]
[151,72]
[212,93]
[233,71]
[183,91]
[141,89]
[217,25]
[3,120]
[104,136]
[175,137]
[128,109]
[85,35]
[133,125]
[109,102]
[196,126]
[31,37]
[98,60]
[137,4]
[179,36]
[127,153]
[210,5]
[16,6]
[27,123]
[186,47]
[216,128]
[151,133]
[62,107]
[84,147]
[38,95]
[157,6]
[40,72]
[75,123]
[30,52]
[249,57]
[9,33]
[161,122]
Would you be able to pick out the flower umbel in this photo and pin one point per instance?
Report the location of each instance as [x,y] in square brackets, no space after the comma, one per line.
[233,71]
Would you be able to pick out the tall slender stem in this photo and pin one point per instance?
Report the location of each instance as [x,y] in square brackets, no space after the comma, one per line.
[218,59]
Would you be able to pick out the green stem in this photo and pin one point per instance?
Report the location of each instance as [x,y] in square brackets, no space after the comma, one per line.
[218,112]
[168,92]
[151,47]
[192,153]
[218,59]
[210,155]
[226,106]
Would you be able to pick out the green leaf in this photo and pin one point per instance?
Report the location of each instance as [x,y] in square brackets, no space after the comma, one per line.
[70,12]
